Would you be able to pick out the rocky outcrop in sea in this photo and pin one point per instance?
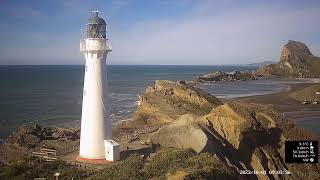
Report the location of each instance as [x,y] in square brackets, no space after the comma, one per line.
[224,76]
[296,61]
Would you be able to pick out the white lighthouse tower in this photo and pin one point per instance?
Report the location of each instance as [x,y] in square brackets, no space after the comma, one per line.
[96,127]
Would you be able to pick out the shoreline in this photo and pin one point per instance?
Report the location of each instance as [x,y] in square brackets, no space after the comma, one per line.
[281,100]
[301,114]
[280,85]
[291,85]
[150,138]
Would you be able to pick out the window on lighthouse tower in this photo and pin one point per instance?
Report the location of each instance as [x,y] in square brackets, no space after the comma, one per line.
[96,31]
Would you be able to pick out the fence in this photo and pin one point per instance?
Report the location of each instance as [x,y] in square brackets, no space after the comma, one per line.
[69,149]
[95,44]
[44,156]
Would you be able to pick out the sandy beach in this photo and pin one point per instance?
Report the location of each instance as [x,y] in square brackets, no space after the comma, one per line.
[282,100]
[305,115]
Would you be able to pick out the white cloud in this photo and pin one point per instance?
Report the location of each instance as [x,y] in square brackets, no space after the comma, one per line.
[231,37]
[209,34]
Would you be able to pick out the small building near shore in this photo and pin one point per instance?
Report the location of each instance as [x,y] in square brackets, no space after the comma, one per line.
[112,150]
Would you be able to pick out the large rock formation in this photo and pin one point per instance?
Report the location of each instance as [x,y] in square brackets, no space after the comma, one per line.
[254,136]
[243,136]
[174,135]
[223,76]
[296,61]
[169,100]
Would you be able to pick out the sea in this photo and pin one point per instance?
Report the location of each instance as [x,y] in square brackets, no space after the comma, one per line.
[52,95]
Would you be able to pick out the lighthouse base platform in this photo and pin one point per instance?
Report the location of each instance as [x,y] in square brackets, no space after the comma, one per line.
[92,161]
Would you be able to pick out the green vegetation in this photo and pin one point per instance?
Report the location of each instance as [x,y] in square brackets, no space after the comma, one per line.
[30,168]
[314,64]
[127,169]
[167,163]
[196,166]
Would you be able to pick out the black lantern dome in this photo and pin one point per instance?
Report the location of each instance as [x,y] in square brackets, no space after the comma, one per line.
[96,27]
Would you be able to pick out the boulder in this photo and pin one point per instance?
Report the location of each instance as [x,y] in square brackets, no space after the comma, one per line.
[182,133]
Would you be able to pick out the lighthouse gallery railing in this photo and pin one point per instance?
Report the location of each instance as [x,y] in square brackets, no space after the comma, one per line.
[95,44]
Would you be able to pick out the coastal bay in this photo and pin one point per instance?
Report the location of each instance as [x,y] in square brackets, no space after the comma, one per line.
[304,115]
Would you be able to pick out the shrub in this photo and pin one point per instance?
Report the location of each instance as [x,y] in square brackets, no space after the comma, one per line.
[30,168]
[206,166]
[168,161]
[127,169]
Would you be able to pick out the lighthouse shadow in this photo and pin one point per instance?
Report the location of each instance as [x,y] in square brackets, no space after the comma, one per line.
[144,152]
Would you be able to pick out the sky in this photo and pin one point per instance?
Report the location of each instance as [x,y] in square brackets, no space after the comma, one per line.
[165,32]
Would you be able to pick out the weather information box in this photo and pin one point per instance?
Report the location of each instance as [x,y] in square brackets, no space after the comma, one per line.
[301,151]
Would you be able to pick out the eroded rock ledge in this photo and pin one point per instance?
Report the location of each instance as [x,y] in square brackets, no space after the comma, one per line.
[169,100]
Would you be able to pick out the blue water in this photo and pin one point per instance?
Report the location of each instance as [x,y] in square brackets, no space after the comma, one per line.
[52,95]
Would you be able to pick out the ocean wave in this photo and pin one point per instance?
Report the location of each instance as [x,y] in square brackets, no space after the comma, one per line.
[130,104]
[124,111]
[118,100]
[124,97]
[121,121]
[113,94]
[230,96]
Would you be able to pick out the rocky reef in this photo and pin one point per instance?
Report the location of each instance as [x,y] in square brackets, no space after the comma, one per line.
[296,61]
[29,138]
[223,76]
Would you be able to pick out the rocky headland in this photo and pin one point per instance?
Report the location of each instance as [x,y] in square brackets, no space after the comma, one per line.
[296,60]
[226,76]
[243,136]
[168,100]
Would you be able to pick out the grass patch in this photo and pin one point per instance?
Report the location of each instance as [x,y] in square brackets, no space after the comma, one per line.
[168,163]
[127,169]
[30,168]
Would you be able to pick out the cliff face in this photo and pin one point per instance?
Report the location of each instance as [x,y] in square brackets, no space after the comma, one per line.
[254,136]
[242,136]
[296,61]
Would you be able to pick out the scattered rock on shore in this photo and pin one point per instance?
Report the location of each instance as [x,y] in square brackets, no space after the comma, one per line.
[29,138]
